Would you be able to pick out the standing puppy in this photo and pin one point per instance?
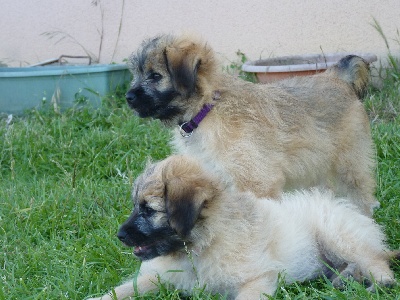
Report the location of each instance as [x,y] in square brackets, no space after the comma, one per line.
[298,133]
[189,230]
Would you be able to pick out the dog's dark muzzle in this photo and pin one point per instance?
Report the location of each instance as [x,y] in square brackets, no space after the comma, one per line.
[148,242]
[129,232]
[123,236]
[132,98]
[149,102]
[141,102]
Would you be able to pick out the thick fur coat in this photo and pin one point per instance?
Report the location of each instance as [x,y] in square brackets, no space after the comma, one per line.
[296,133]
[237,245]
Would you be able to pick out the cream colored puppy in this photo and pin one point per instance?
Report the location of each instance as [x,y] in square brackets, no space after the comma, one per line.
[235,244]
[264,138]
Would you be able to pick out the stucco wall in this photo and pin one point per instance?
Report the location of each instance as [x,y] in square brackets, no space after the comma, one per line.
[259,28]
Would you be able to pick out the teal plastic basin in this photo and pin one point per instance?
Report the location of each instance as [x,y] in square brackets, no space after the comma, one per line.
[28,87]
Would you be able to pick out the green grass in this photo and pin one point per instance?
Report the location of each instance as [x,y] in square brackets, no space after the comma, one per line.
[65,183]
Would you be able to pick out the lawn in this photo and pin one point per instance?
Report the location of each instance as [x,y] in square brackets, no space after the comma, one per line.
[65,181]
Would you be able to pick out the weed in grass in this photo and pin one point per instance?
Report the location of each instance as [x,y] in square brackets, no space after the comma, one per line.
[383,104]
[235,68]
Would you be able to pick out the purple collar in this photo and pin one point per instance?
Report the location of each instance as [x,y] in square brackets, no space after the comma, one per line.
[186,128]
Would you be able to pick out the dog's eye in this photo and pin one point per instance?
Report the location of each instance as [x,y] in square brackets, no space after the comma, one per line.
[147,210]
[155,76]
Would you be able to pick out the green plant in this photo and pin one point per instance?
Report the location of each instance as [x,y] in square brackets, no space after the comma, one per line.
[383,103]
[235,68]
[393,69]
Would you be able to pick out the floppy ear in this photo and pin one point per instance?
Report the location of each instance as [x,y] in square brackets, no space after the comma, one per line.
[182,64]
[186,191]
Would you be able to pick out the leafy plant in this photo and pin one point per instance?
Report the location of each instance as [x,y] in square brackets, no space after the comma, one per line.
[383,103]
[235,68]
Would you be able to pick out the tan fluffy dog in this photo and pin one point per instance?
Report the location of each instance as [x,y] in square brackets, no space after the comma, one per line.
[302,132]
[237,245]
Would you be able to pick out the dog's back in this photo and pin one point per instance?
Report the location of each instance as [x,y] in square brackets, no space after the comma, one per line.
[351,70]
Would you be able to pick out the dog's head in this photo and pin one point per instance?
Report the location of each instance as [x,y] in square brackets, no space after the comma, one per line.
[167,71]
[168,200]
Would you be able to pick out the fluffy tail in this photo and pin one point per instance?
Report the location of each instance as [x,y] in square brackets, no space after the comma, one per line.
[354,70]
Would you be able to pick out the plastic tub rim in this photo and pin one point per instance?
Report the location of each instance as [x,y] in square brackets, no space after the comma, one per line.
[59,70]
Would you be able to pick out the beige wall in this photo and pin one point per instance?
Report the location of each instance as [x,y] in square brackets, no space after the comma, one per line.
[259,28]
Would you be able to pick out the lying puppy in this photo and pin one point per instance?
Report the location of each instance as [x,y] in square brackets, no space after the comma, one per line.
[264,138]
[235,244]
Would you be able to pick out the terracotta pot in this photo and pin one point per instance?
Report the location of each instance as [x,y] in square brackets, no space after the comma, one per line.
[272,69]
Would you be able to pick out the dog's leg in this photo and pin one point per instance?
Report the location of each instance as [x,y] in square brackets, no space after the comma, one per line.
[150,274]
[365,264]
[354,165]
[350,237]
[350,271]
[357,183]
[379,271]
[123,291]
[264,284]
[126,290]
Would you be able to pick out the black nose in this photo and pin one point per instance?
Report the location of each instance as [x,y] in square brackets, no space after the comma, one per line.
[130,95]
[122,234]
